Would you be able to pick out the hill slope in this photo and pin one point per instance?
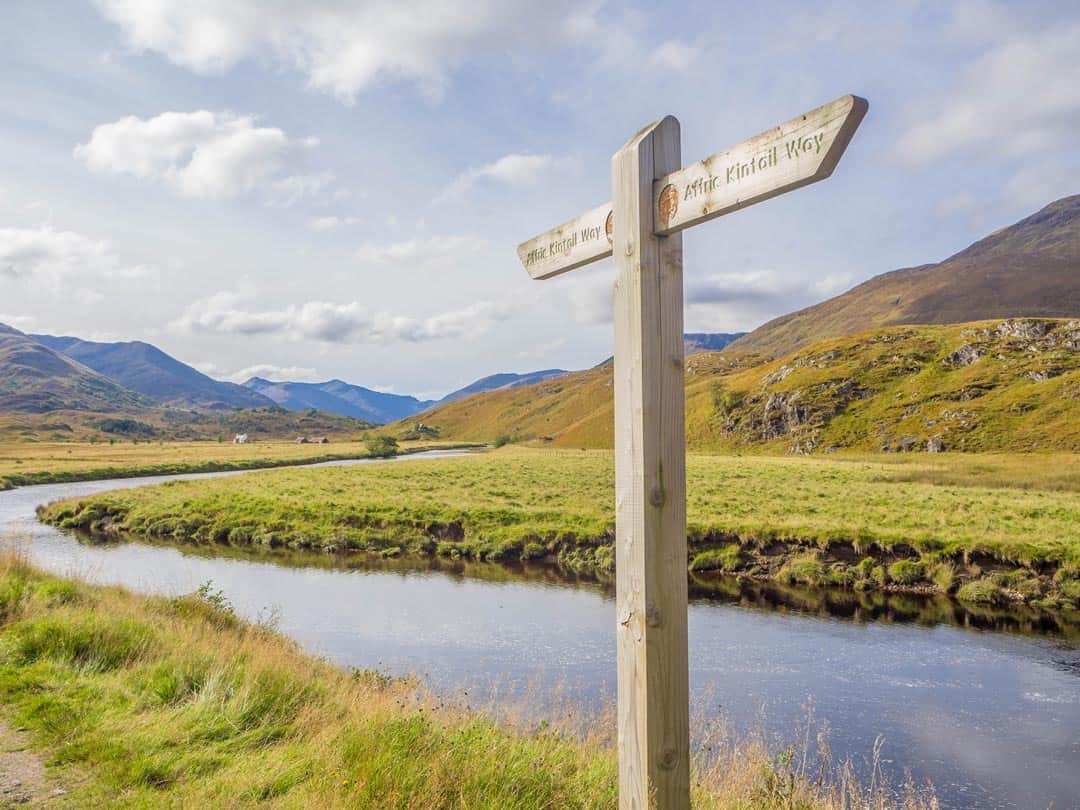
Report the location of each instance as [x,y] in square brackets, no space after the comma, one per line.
[147,370]
[336,396]
[992,385]
[495,382]
[35,379]
[1028,269]
[696,342]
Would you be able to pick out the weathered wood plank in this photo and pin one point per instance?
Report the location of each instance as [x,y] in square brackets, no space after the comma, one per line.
[804,150]
[650,487]
[575,243]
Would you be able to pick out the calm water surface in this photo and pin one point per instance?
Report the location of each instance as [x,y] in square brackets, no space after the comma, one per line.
[992,719]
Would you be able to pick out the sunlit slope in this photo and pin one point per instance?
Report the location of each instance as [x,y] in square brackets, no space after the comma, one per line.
[991,385]
[1031,268]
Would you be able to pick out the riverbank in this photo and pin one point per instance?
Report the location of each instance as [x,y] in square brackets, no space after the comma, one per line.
[989,529]
[149,701]
[64,462]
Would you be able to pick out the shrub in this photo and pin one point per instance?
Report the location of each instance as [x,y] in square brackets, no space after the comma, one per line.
[906,572]
[727,558]
[807,570]
[502,440]
[13,592]
[381,446]
[533,551]
[944,576]
[95,643]
[981,591]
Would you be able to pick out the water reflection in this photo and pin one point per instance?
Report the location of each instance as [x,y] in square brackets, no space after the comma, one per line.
[886,607]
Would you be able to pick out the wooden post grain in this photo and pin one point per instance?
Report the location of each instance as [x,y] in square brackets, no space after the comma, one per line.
[650,488]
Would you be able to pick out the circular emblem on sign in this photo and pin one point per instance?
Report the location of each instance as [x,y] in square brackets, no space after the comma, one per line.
[669,203]
[609,227]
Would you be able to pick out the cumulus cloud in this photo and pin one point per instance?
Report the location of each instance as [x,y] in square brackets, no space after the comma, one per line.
[442,250]
[343,47]
[1019,98]
[331,222]
[326,322]
[54,258]
[267,371]
[205,154]
[511,170]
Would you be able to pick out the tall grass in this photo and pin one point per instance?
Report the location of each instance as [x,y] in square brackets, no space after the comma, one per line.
[142,701]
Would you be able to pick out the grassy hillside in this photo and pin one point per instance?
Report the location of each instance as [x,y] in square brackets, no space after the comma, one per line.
[948,520]
[993,385]
[149,371]
[35,379]
[164,424]
[1029,269]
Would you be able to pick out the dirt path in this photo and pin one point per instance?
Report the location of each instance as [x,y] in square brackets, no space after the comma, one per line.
[23,778]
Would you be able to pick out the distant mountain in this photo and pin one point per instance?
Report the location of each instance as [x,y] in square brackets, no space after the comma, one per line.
[147,370]
[1029,269]
[339,397]
[496,382]
[695,342]
[36,379]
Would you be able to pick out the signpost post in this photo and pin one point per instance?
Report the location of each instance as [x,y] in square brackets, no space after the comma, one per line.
[654,199]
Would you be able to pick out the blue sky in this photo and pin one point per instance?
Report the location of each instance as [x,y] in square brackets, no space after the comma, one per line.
[309,190]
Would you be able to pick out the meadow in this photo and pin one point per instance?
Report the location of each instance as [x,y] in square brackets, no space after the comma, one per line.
[24,463]
[990,528]
[139,701]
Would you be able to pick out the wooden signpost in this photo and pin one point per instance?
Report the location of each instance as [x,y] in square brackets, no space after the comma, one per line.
[654,198]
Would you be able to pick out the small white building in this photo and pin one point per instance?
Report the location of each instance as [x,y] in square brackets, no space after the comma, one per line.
[240,438]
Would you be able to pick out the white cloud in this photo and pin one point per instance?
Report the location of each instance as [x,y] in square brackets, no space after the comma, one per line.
[440,250]
[727,302]
[265,370]
[343,47]
[205,155]
[332,222]
[55,258]
[326,322]
[962,202]
[675,55]
[512,170]
[1018,99]
[1033,186]
[23,323]
[761,287]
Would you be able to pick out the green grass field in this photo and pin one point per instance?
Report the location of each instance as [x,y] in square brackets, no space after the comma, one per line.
[1011,524]
[22,464]
[147,702]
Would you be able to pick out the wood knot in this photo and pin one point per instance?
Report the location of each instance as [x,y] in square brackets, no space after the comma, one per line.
[629,247]
[669,759]
[652,615]
[656,496]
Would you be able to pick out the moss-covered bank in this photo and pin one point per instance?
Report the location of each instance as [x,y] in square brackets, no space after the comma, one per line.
[852,523]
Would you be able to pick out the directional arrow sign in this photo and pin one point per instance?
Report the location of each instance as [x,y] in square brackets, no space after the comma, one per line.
[802,151]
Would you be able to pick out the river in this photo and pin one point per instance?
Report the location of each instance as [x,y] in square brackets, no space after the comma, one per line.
[991,718]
